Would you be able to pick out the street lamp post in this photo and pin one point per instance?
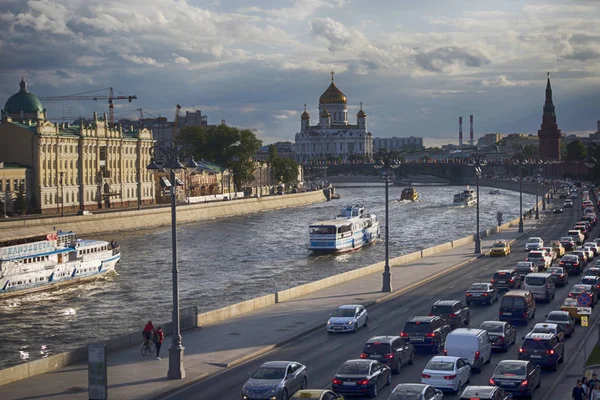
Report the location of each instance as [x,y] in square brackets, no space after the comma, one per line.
[190,167]
[62,195]
[387,161]
[171,163]
[477,162]
[139,189]
[520,160]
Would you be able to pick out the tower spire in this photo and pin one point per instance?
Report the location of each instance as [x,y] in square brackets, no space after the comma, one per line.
[548,105]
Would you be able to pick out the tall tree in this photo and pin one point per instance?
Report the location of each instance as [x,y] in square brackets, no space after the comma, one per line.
[576,150]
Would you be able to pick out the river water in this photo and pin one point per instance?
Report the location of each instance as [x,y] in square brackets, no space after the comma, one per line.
[226,261]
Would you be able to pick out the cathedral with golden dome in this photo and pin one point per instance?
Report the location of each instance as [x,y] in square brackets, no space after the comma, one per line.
[333,137]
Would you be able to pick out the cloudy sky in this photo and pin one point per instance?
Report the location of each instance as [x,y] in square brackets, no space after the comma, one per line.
[416,65]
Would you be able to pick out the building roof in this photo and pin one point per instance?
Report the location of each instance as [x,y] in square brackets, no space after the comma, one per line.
[332,95]
[24,101]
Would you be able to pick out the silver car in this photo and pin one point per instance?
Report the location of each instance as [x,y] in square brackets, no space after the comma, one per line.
[275,380]
[534,243]
[348,319]
[415,391]
[564,319]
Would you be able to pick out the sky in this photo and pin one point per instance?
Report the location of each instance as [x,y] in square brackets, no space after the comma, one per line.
[415,65]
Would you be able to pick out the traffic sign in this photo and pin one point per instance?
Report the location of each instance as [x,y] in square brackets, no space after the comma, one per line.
[584,300]
[584,310]
[584,320]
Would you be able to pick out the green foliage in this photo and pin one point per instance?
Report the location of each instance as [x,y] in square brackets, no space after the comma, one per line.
[225,146]
[283,169]
[576,151]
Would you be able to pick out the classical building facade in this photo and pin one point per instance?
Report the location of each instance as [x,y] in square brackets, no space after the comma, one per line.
[87,166]
[549,134]
[333,136]
[398,143]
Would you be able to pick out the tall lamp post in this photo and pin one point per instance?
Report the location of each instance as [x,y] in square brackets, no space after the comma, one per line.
[387,161]
[520,160]
[190,168]
[477,162]
[62,195]
[139,188]
[171,163]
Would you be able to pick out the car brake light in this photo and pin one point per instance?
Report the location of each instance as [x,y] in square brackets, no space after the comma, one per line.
[512,279]
[452,315]
[390,355]
[469,295]
[426,376]
[576,264]
[485,294]
[430,314]
[561,263]
[364,355]
[477,354]
[449,377]
[525,315]
[445,352]
[337,382]
[492,382]
[551,351]
[522,350]
[493,280]
[562,275]
[524,383]
[527,259]
[403,334]
[430,335]
[363,382]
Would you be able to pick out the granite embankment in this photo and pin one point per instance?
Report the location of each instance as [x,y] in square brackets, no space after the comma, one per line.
[155,217]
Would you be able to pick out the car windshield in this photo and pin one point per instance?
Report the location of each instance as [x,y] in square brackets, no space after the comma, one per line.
[406,393]
[343,312]
[555,270]
[578,289]
[570,258]
[566,239]
[417,327]
[510,369]
[269,373]
[534,240]
[479,287]
[502,275]
[536,344]
[439,310]
[569,302]
[535,254]
[535,280]
[558,316]
[436,365]
[588,281]
[542,329]
[523,264]
[377,347]
[500,245]
[523,268]
[354,368]
[491,327]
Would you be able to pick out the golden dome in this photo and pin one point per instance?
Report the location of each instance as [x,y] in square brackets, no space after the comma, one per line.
[361,113]
[305,114]
[332,95]
[325,114]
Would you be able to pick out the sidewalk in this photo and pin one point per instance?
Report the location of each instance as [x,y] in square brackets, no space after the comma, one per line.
[215,347]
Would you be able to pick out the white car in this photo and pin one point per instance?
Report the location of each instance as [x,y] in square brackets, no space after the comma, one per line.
[348,319]
[540,258]
[593,246]
[534,243]
[446,373]
[550,251]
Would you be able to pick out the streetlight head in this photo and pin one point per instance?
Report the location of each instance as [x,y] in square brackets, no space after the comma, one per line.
[483,163]
[176,165]
[191,164]
[590,161]
[153,166]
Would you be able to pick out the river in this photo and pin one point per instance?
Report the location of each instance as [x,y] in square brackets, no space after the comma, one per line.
[226,261]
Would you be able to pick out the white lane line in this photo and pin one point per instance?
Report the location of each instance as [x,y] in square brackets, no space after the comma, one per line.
[450,287]
[469,277]
[427,298]
[403,311]
[334,347]
[372,327]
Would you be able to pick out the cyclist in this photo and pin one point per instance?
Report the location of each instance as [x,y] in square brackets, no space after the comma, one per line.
[148,330]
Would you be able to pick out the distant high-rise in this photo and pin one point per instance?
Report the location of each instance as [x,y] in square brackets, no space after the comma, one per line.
[471,137]
[549,134]
[460,135]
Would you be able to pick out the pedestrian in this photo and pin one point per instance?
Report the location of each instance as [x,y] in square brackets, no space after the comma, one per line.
[578,393]
[586,388]
[595,392]
[159,336]
[592,382]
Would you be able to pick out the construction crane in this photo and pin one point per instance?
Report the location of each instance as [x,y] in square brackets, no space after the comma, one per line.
[83,96]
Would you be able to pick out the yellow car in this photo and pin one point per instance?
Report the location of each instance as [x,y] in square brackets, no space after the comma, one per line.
[316,394]
[500,248]
[570,305]
[558,248]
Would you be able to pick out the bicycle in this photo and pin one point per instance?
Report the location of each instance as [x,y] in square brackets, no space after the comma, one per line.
[148,346]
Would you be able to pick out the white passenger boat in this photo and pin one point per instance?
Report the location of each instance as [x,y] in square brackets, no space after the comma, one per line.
[351,230]
[465,197]
[44,261]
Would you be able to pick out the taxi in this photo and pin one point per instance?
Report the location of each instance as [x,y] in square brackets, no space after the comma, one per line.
[558,248]
[500,248]
[570,305]
[316,394]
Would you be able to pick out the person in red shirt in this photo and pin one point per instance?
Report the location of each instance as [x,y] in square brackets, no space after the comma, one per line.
[148,329]
[159,336]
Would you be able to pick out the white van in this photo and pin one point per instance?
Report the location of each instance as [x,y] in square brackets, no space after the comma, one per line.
[472,345]
[541,285]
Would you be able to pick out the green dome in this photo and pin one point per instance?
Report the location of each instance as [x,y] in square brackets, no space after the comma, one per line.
[23,100]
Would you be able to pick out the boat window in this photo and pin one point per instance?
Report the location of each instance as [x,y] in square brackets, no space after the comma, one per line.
[322,230]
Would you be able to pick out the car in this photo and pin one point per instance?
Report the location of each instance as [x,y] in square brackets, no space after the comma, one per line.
[560,275]
[525,267]
[546,327]
[570,305]
[543,349]
[540,259]
[583,256]
[589,252]
[502,334]
[541,285]
[568,204]
[534,243]
[427,332]
[568,242]
[592,280]
[579,288]
[392,351]
[275,380]
[576,235]
[364,377]
[519,378]
[571,263]
[557,210]
[594,271]
[416,391]
[84,212]
[593,246]
[484,393]
[558,248]
[316,394]
[564,320]
[348,318]
[481,293]
[446,373]
[506,279]
[550,252]
[583,229]
[454,312]
[500,248]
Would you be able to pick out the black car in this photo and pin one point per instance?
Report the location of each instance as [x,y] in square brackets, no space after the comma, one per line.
[543,349]
[506,279]
[571,263]
[484,393]
[484,293]
[568,243]
[501,334]
[560,275]
[454,312]
[557,210]
[525,267]
[427,332]
[361,377]
[520,378]
[582,255]
[392,351]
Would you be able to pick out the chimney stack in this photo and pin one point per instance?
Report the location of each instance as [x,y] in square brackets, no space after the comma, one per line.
[460,137]
[471,140]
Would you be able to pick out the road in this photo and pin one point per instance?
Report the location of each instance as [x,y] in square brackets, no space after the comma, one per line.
[323,354]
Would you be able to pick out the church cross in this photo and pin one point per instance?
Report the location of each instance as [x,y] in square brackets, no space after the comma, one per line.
[332,73]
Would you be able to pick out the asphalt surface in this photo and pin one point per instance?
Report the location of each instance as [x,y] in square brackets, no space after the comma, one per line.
[323,354]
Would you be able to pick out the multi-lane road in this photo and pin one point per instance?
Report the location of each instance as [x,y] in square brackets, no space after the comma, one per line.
[323,354]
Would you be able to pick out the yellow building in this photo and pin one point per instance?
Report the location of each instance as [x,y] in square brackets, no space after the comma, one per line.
[88,166]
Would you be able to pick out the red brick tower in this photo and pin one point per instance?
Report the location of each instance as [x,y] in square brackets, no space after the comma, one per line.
[549,134]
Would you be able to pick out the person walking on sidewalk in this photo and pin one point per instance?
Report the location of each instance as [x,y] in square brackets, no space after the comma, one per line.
[595,392]
[592,384]
[586,388]
[159,336]
[578,392]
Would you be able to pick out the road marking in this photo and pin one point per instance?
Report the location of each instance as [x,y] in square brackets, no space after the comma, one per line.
[450,287]
[403,311]
[427,298]
[469,277]
[334,347]
[372,327]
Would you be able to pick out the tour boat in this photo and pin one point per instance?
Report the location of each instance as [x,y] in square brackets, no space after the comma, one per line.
[466,197]
[495,191]
[409,193]
[45,261]
[351,230]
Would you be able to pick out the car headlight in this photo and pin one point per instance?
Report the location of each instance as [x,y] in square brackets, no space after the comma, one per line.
[328,322]
[350,322]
